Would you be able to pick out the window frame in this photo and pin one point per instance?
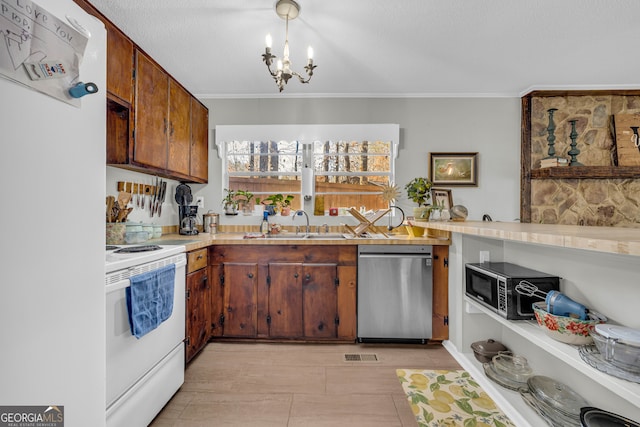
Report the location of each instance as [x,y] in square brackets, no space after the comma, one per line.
[309,135]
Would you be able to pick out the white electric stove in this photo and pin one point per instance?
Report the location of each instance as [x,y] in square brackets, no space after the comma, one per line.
[142,374]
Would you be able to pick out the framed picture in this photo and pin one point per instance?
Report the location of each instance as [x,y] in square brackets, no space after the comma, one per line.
[453,169]
[442,197]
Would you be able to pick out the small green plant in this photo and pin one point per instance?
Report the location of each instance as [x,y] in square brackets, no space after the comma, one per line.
[419,191]
[230,198]
[278,200]
[243,197]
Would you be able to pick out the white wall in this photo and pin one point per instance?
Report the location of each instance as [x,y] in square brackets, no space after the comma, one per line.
[489,126]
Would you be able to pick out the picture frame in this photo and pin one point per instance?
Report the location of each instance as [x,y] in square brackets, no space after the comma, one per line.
[442,195]
[449,169]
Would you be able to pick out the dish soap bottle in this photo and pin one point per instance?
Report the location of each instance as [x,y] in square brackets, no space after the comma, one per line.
[264,227]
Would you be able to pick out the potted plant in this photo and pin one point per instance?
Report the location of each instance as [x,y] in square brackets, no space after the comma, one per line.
[230,203]
[243,200]
[280,203]
[419,190]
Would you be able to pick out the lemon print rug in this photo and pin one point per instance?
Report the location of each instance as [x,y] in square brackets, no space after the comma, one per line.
[449,398]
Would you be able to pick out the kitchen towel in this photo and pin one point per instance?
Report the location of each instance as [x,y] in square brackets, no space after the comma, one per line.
[150,299]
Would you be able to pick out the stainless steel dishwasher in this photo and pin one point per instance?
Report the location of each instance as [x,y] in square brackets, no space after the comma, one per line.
[395,293]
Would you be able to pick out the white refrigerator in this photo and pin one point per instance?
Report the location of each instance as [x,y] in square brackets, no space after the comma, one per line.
[52,225]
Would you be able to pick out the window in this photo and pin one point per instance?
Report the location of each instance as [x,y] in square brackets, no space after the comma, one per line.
[322,166]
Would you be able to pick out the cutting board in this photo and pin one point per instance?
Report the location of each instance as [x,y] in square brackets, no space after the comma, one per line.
[628,153]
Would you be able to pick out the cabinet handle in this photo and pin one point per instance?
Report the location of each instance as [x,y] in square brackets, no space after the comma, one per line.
[296,275]
[200,256]
[171,127]
[250,275]
[165,125]
[308,277]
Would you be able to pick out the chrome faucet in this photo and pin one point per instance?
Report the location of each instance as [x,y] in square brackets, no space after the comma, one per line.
[298,212]
[324,226]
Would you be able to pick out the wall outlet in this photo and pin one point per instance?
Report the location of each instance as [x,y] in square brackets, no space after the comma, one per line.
[485,257]
[200,202]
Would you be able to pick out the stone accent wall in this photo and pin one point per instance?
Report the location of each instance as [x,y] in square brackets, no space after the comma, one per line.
[603,202]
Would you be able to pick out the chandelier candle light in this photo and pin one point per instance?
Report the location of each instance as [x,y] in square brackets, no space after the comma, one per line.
[286,9]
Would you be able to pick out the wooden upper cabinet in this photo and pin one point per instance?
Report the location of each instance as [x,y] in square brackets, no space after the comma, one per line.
[154,125]
[119,57]
[119,64]
[179,129]
[199,155]
[151,111]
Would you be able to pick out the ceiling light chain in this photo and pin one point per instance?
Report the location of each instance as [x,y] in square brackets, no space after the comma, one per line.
[286,9]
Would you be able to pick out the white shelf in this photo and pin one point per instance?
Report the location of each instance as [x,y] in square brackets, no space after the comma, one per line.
[566,353]
[509,401]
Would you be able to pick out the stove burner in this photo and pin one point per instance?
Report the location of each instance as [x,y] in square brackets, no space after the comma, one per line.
[135,249]
[111,247]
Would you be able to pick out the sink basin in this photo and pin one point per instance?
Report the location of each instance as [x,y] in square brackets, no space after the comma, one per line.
[292,236]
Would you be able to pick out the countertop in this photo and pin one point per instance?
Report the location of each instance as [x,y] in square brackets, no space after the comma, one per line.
[203,240]
[616,240]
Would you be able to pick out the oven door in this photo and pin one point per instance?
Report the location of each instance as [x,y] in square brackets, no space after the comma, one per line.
[482,286]
[129,358]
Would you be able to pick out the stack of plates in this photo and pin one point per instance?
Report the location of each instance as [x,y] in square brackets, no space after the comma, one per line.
[509,371]
[554,401]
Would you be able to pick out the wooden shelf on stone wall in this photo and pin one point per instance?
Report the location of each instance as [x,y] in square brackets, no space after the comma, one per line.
[586,172]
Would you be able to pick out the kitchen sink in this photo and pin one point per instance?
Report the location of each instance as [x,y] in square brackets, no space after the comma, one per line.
[301,236]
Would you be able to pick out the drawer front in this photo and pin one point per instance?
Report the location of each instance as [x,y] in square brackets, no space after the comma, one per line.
[196,260]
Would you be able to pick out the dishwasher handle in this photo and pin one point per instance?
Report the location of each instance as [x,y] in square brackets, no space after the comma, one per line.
[414,256]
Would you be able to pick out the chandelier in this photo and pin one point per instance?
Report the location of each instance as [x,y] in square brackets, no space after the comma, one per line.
[286,9]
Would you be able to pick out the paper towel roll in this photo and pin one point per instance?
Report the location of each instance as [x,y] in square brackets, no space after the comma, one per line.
[307,183]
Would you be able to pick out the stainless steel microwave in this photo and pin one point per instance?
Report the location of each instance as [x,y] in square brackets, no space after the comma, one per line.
[493,284]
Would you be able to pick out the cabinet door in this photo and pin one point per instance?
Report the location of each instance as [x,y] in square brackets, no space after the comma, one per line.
[440,323]
[285,300]
[347,274]
[199,155]
[179,131]
[152,106]
[119,57]
[198,312]
[119,64]
[217,300]
[240,299]
[319,300]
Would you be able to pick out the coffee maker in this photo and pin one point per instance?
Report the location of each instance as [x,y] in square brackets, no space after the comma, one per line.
[188,219]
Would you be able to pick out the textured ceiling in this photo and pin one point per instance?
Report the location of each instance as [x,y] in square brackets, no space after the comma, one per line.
[391,47]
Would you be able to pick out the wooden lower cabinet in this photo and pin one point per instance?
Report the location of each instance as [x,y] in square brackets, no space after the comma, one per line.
[284,292]
[303,300]
[239,314]
[440,319]
[198,304]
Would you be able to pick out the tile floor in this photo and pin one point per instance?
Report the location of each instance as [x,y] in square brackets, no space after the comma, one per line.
[295,385]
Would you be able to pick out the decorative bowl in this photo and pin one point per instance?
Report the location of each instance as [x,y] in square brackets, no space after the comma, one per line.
[415,231]
[567,329]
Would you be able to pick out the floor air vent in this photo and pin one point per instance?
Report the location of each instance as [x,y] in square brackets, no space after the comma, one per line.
[352,357]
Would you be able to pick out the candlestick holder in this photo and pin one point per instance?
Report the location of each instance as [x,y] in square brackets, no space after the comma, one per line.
[551,139]
[574,150]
